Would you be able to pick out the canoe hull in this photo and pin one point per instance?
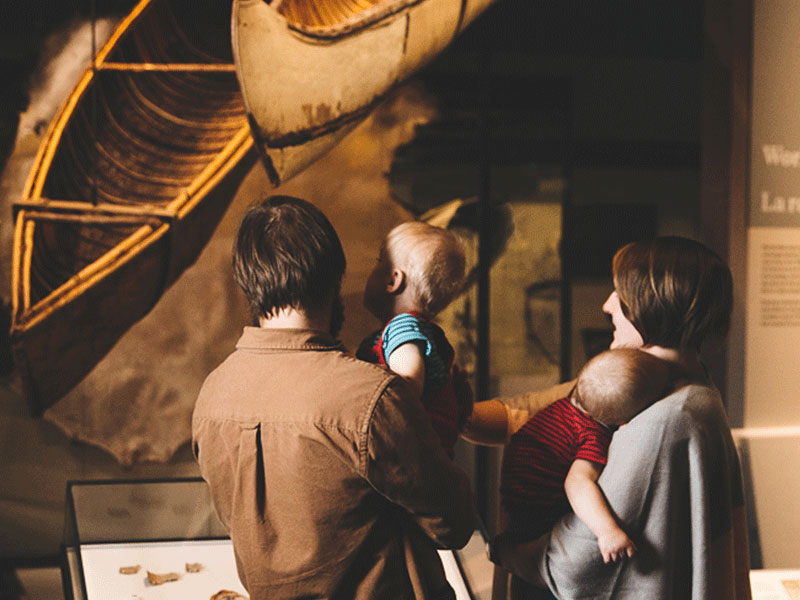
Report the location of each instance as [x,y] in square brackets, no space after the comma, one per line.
[305,88]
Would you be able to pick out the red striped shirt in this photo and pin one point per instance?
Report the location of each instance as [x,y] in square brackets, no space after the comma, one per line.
[537,459]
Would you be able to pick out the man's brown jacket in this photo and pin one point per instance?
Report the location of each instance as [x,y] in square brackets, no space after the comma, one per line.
[324,470]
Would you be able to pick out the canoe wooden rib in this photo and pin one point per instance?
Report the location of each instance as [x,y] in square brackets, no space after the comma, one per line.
[131,180]
[311,71]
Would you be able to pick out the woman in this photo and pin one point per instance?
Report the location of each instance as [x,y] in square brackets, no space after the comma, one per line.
[673,476]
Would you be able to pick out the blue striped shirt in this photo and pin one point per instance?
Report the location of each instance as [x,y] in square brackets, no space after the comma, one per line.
[405,328]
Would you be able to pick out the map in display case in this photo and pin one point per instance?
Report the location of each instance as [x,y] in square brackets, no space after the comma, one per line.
[161,539]
[146,540]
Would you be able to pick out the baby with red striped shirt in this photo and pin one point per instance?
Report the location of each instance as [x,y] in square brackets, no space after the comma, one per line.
[552,463]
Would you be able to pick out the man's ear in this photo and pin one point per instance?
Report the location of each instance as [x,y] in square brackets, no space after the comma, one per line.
[397,281]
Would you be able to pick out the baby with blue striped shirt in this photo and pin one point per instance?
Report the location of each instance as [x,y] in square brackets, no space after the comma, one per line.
[420,271]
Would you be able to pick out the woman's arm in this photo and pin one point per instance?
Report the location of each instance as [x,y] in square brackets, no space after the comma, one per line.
[493,422]
[487,425]
[589,504]
[533,402]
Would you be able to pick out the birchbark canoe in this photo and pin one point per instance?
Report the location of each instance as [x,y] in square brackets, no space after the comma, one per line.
[311,71]
[129,183]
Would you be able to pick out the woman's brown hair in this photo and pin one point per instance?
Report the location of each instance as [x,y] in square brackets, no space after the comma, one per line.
[675,291]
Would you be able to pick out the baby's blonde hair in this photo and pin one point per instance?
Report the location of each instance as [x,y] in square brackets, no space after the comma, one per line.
[617,384]
[432,259]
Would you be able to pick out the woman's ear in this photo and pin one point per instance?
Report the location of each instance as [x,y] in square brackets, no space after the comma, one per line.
[397,281]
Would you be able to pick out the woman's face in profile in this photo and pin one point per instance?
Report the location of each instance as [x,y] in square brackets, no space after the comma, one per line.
[625,334]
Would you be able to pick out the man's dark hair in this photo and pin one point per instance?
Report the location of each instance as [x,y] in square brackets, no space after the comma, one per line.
[287,254]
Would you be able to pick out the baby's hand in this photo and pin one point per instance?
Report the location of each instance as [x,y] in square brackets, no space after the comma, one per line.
[615,545]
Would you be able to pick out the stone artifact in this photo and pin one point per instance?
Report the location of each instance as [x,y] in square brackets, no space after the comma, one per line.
[132,570]
[228,595]
[161,578]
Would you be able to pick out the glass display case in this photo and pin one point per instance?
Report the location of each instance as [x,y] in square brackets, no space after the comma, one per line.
[146,540]
[160,539]
[469,570]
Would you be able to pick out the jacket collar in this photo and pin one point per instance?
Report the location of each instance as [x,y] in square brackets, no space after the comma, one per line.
[260,338]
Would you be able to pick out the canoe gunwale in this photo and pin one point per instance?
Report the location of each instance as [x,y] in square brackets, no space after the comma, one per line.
[149,67]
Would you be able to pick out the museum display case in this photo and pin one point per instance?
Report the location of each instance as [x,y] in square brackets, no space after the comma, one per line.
[146,539]
[160,539]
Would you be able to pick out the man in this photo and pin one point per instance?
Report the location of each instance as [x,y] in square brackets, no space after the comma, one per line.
[325,470]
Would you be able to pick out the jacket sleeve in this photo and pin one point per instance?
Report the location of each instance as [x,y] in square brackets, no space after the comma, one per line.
[403,459]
